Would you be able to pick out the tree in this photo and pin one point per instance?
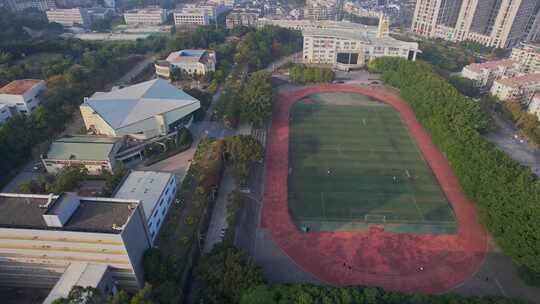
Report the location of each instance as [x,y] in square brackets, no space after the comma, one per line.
[82,295]
[465,86]
[244,151]
[300,73]
[257,98]
[226,273]
[68,178]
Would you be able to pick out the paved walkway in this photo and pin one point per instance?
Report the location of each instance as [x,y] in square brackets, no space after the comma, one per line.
[219,212]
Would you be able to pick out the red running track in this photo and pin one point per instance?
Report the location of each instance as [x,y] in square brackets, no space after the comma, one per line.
[377,258]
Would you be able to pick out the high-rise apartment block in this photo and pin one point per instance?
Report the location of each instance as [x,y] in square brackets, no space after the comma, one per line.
[497,23]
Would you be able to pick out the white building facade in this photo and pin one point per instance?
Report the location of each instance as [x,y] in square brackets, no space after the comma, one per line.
[146,16]
[484,74]
[155,190]
[528,56]
[191,62]
[191,16]
[69,16]
[23,95]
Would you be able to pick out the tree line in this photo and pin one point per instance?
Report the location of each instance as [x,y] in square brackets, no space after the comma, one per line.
[300,73]
[506,194]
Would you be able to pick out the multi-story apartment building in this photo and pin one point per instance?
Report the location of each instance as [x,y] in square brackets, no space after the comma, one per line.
[519,88]
[155,190]
[191,62]
[497,23]
[212,10]
[534,106]
[20,5]
[348,48]
[5,113]
[70,16]
[191,16]
[484,74]
[149,16]
[42,235]
[528,56]
[242,17]
[320,12]
[23,95]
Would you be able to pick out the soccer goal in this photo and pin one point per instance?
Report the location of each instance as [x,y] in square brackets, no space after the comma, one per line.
[375,218]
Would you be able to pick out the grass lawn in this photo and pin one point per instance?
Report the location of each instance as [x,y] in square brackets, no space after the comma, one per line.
[353,163]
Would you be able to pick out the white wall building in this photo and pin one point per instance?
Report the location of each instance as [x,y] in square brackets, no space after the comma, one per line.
[24,95]
[192,62]
[42,235]
[145,110]
[344,48]
[528,55]
[150,16]
[69,16]
[520,88]
[193,16]
[486,73]
[5,113]
[155,190]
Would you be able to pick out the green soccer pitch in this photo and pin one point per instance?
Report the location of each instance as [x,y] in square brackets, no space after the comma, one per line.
[353,163]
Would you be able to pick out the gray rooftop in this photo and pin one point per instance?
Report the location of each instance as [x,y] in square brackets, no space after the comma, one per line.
[138,102]
[82,147]
[93,214]
[146,186]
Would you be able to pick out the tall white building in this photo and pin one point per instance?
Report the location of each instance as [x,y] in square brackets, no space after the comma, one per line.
[497,23]
[155,190]
[24,95]
[70,16]
[149,16]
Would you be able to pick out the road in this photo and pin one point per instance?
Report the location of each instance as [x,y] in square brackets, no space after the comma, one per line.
[504,139]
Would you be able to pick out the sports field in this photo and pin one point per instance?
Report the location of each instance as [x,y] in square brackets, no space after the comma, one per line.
[353,163]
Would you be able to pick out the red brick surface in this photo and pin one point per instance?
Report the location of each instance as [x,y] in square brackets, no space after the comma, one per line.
[397,261]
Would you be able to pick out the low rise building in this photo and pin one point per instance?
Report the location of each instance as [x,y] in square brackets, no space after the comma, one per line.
[149,16]
[70,16]
[5,113]
[155,190]
[528,56]
[191,16]
[242,17]
[145,110]
[484,74]
[42,235]
[23,95]
[320,10]
[212,10]
[192,62]
[519,88]
[346,49]
[95,153]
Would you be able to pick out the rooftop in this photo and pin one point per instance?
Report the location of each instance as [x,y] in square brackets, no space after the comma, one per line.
[146,186]
[516,82]
[187,56]
[19,87]
[367,35]
[123,107]
[82,147]
[490,65]
[92,215]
